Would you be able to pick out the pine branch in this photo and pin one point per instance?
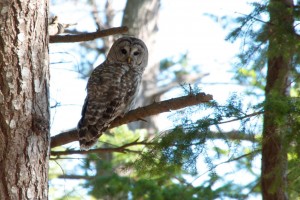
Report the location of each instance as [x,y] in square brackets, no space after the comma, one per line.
[139,113]
[87,36]
[243,117]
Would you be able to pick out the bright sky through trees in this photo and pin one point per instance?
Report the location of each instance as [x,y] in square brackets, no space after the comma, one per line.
[184,26]
[192,26]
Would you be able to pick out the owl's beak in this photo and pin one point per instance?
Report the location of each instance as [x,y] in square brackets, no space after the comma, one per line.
[129,60]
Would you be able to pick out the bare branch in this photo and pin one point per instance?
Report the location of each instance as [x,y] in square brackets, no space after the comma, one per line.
[139,113]
[87,36]
[75,177]
[95,15]
[121,149]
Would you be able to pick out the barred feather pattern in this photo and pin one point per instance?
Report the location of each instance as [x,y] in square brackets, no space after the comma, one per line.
[112,89]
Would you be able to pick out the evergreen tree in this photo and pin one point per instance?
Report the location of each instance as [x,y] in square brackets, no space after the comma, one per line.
[270,62]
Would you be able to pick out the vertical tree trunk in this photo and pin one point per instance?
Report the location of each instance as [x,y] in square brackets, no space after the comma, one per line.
[141,19]
[24,111]
[274,154]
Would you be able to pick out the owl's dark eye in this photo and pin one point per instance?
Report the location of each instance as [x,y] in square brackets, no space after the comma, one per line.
[123,51]
[136,53]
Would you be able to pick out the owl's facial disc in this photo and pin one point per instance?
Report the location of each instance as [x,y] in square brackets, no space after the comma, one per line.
[131,54]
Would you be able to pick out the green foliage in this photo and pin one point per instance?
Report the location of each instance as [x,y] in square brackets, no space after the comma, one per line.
[246,23]
[156,168]
[173,151]
[111,185]
[117,187]
[256,34]
[293,175]
[178,149]
[269,32]
[115,138]
[293,143]
[252,30]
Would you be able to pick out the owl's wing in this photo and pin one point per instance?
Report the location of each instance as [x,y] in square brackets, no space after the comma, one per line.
[106,100]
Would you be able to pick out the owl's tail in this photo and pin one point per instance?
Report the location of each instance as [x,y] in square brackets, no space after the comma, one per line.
[88,135]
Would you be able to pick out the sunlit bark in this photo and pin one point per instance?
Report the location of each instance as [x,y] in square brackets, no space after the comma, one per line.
[24,110]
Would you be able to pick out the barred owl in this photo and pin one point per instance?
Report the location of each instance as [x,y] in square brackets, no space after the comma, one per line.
[112,88]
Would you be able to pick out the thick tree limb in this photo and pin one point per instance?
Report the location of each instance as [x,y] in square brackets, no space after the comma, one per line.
[87,36]
[139,113]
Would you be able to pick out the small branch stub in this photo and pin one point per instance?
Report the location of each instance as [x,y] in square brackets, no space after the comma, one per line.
[55,28]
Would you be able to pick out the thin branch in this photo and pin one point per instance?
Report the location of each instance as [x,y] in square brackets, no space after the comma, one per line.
[228,161]
[231,135]
[254,18]
[95,15]
[243,117]
[139,113]
[76,177]
[121,149]
[87,36]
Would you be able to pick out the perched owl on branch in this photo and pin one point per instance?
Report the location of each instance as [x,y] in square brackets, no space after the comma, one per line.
[112,88]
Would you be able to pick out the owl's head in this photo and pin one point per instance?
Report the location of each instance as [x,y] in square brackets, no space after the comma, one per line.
[130,51]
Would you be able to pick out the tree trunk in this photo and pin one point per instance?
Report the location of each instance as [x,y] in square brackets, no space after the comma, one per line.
[24,111]
[274,154]
[141,19]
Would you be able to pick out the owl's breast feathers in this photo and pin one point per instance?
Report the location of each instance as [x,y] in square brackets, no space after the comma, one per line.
[114,81]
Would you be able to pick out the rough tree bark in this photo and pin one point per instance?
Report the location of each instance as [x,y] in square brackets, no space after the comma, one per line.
[24,111]
[274,155]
